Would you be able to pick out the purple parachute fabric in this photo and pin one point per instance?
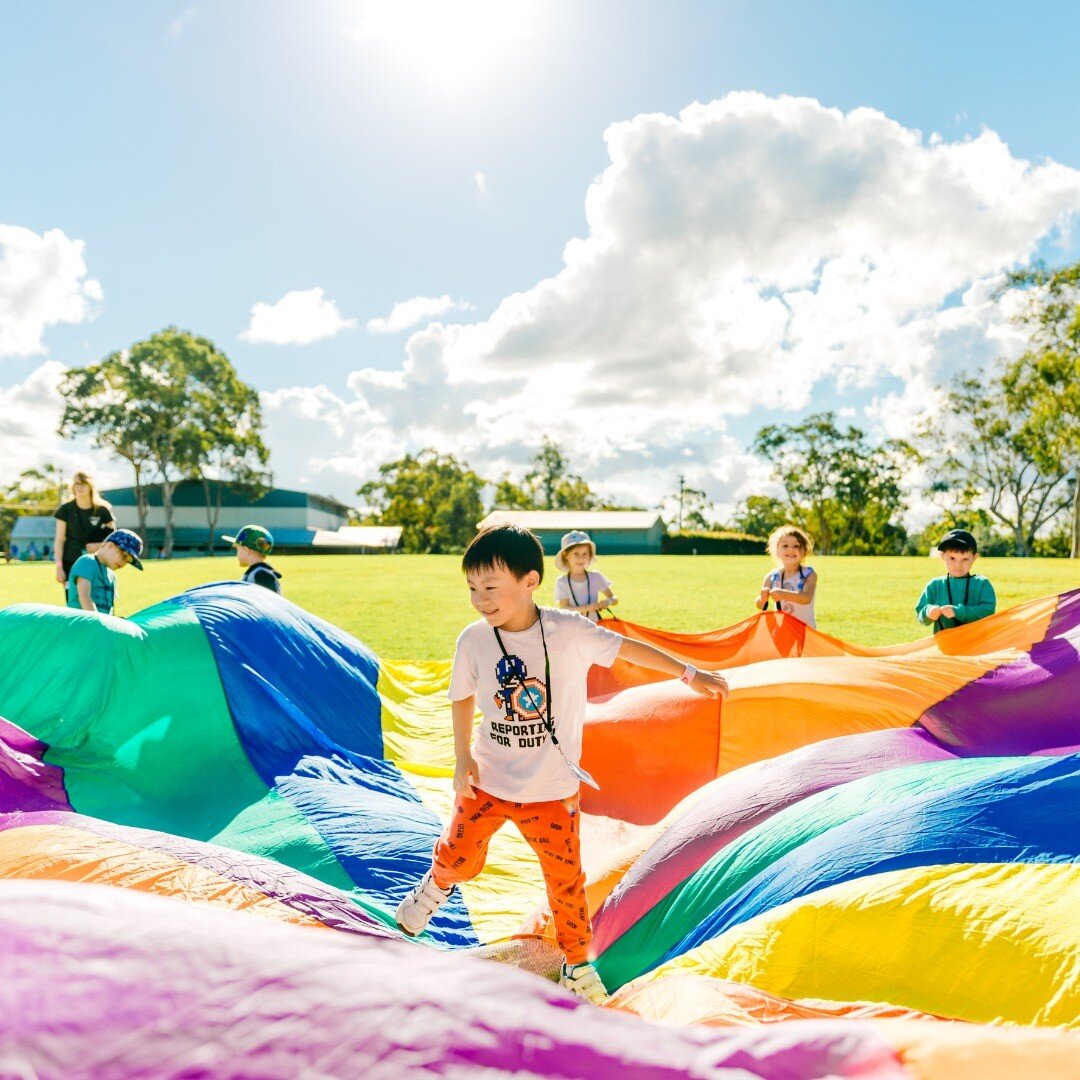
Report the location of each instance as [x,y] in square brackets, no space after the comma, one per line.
[111,983]
[26,781]
[1023,706]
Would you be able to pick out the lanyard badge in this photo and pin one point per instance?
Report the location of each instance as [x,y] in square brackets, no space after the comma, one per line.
[531,698]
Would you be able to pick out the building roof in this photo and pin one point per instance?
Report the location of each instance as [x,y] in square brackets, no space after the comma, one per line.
[354,536]
[191,493]
[565,520]
[33,527]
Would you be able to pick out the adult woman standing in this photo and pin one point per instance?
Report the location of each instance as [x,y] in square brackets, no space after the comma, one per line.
[82,523]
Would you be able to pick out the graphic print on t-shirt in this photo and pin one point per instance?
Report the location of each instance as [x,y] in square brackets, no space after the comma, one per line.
[523,700]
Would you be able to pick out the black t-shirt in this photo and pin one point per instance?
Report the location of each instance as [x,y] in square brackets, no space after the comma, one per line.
[263,574]
[83,527]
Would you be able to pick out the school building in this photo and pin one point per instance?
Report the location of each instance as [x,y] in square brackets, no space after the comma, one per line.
[32,537]
[615,532]
[301,522]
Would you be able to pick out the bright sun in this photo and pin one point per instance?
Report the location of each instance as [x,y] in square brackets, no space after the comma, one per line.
[452,41]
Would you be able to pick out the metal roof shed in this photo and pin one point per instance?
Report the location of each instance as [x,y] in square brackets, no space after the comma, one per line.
[615,532]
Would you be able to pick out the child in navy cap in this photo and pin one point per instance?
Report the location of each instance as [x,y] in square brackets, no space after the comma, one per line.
[91,584]
[960,596]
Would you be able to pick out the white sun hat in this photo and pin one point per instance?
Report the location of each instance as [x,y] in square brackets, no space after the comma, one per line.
[573,539]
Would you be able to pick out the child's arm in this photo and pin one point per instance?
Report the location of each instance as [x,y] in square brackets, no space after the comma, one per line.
[85,600]
[926,612]
[58,550]
[583,609]
[706,683]
[466,771]
[762,601]
[985,604]
[793,596]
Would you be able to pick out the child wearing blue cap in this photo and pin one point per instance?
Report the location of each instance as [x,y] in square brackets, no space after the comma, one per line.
[91,584]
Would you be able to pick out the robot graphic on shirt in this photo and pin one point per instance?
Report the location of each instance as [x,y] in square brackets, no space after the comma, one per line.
[523,700]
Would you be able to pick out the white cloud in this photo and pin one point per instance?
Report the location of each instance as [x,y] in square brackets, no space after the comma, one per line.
[480,180]
[179,25]
[298,318]
[29,414]
[420,309]
[750,253]
[42,282]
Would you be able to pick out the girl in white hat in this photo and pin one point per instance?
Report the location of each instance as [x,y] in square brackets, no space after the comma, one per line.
[581,589]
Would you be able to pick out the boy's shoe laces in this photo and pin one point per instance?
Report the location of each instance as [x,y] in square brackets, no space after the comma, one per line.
[583,980]
[415,911]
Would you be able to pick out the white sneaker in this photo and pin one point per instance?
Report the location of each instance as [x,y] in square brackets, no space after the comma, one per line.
[583,980]
[415,911]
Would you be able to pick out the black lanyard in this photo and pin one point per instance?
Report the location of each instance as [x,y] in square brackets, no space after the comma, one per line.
[967,588]
[588,591]
[546,720]
[780,584]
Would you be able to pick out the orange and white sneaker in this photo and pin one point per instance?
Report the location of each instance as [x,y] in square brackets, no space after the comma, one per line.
[583,980]
[415,911]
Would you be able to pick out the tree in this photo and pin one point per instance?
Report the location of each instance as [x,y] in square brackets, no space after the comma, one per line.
[1045,382]
[509,495]
[690,506]
[233,456]
[162,405]
[844,490]
[230,470]
[759,515]
[36,491]
[993,452]
[548,485]
[435,498]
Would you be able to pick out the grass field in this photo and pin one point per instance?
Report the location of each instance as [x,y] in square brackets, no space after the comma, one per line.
[411,607]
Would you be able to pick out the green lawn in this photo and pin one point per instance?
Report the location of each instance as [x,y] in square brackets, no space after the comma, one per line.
[411,607]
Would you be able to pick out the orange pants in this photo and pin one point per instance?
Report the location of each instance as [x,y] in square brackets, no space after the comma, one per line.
[550,829]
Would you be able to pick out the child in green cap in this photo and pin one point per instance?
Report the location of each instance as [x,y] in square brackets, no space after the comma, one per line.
[253,543]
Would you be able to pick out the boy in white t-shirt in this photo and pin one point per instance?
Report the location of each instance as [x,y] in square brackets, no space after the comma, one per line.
[580,589]
[528,669]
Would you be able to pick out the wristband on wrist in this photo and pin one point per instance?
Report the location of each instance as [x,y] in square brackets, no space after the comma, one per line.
[689,674]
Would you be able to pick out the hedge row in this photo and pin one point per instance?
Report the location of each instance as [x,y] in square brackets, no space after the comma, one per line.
[712,543]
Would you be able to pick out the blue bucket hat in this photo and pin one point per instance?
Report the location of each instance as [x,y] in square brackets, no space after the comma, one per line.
[127,541]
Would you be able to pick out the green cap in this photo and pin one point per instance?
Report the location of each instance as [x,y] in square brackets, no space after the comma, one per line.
[255,537]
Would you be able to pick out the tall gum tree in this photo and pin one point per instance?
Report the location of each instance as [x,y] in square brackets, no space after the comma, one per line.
[166,405]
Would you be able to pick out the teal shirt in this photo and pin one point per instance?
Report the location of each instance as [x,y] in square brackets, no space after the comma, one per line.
[102,583]
[974,599]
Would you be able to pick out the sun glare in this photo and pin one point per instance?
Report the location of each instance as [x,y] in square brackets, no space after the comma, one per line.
[451,42]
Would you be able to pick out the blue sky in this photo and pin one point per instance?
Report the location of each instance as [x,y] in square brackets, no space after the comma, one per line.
[211,157]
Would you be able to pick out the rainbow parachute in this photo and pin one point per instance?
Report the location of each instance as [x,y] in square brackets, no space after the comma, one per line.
[863,863]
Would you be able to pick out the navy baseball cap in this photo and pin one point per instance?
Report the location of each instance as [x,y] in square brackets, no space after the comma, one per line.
[958,540]
[127,541]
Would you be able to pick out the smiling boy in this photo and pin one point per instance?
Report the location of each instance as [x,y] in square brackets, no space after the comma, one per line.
[528,668]
[960,596]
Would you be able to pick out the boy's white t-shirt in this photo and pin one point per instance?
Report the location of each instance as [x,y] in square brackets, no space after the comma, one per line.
[585,592]
[513,752]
